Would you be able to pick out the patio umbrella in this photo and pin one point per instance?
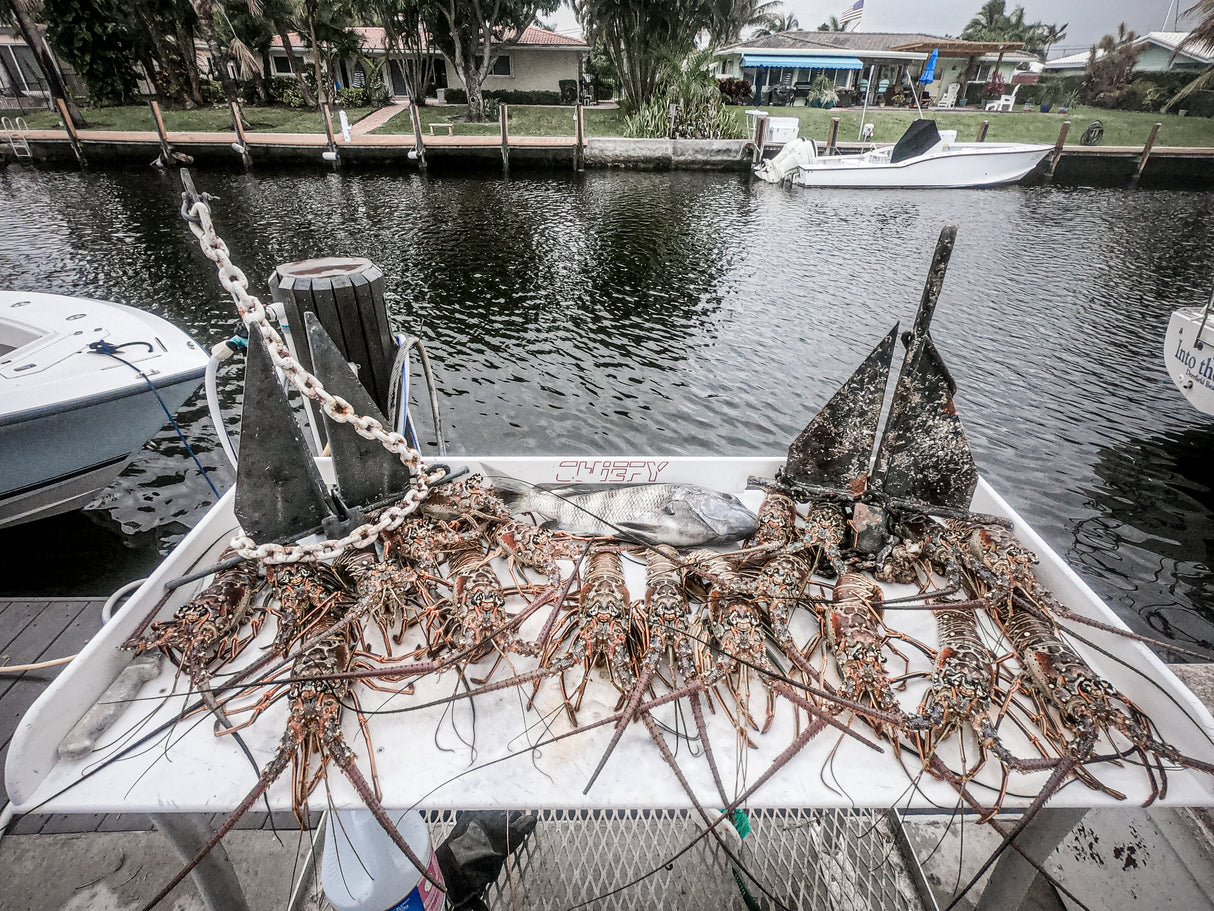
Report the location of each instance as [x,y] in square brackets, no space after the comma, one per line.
[929,73]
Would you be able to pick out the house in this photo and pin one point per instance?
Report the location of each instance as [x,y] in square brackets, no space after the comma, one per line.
[19,71]
[1160,54]
[867,60]
[537,62]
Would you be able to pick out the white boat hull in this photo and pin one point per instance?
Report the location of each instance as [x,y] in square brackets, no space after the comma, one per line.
[71,418]
[960,165]
[1190,358]
[64,457]
[424,763]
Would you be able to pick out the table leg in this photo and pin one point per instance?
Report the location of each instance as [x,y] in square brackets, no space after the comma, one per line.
[214,876]
[1013,875]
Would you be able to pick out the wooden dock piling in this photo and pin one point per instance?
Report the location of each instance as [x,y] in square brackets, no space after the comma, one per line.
[238,126]
[982,131]
[332,154]
[72,137]
[1057,153]
[419,144]
[832,136]
[503,117]
[579,128]
[760,139]
[1146,154]
[166,151]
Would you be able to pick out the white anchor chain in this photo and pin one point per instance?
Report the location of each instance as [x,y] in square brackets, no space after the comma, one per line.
[253,313]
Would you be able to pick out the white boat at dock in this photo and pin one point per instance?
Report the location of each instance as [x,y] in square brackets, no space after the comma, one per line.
[72,413]
[1188,350]
[924,158]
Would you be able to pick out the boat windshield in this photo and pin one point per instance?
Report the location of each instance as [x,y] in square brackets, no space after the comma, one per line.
[918,138]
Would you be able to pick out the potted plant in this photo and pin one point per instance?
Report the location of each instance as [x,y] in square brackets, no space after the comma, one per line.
[1069,102]
[1049,97]
[822,93]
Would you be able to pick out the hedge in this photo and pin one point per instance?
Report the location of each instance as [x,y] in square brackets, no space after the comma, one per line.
[507,96]
[1147,92]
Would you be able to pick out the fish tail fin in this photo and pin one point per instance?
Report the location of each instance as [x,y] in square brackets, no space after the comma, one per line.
[519,496]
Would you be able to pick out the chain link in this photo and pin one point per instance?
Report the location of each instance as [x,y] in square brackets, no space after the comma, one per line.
[253,313]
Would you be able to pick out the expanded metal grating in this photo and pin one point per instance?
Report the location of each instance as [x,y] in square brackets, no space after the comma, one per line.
[809,859]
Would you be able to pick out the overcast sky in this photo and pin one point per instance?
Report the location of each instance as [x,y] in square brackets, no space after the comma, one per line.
[1088,19]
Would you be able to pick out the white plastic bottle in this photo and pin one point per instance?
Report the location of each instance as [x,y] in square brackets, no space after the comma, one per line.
[364,870]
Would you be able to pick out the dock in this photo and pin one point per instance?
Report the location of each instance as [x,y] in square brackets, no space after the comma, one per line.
[1174,167]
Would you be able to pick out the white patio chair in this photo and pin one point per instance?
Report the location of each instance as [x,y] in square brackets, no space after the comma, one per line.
[1005,102]
[950,96]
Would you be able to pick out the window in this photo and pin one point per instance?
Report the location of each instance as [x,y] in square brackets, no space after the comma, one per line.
[282,66]
[501,66]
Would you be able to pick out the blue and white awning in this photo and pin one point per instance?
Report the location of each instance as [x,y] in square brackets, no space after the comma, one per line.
[801,62]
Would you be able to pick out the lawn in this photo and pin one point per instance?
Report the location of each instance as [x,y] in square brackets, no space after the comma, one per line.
[1121,128]
[525,120]
[203,120]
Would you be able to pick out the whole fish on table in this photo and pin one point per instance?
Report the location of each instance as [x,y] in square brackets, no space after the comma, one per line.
[681,515]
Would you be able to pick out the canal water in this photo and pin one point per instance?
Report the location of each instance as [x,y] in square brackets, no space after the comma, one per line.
[684,313]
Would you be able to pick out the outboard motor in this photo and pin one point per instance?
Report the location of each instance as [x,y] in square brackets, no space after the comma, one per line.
[795,154]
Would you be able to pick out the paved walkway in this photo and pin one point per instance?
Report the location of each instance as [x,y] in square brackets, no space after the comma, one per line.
[378,118]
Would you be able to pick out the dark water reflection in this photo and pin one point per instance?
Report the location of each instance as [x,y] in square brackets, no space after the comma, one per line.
[690,313]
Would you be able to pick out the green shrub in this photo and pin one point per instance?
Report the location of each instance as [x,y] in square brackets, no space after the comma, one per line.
[568,90]
[492,108]
[698,119]
[506,96]
[604,88]
[535,97]
[212,92]
[287,91]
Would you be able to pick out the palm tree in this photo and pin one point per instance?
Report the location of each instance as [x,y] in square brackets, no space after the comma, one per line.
[1203,34]
[1051,35]
[831,25]
[778,25]
[990,24]
[728,18]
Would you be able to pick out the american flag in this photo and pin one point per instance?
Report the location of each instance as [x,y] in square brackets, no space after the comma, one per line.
[852,14]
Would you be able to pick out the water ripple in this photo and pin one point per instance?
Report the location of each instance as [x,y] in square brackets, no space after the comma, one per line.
[699,313]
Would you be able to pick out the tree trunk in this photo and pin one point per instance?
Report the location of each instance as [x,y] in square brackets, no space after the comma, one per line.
[322,90]
[33,39]
[163,57]
[189,60]
[265,87]
[967,76]
[149,71]
[280,26]
[206,27]
[476,98]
